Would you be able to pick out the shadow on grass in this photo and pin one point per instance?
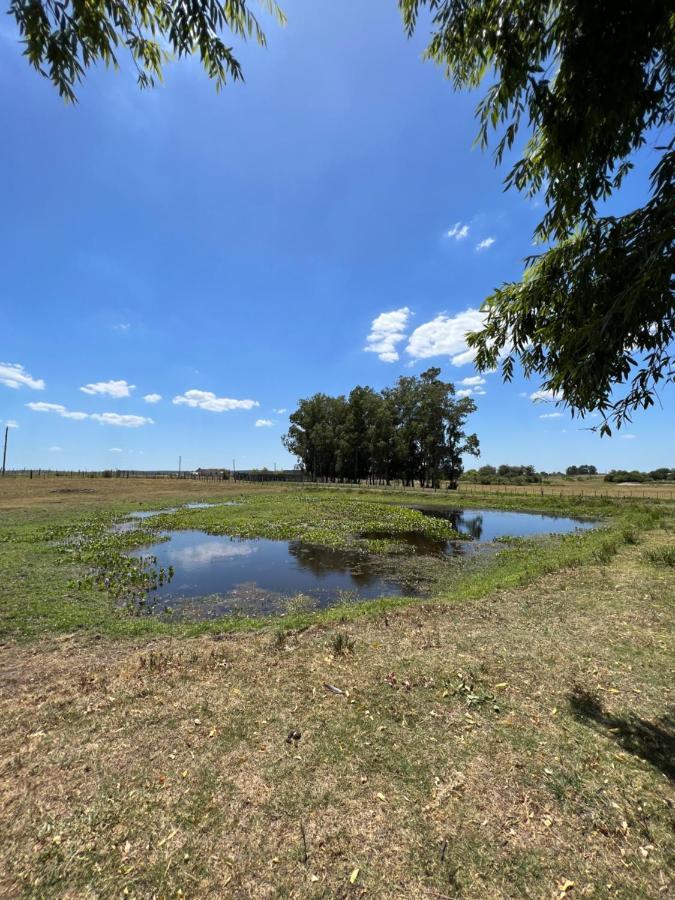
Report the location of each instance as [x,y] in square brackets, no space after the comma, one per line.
[651,741]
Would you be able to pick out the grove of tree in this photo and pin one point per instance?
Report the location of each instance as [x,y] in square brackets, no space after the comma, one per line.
[414,432]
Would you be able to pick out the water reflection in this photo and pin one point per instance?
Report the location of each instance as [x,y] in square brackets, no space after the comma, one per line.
[322,561]
[204,565]
[488,524]
[215,574]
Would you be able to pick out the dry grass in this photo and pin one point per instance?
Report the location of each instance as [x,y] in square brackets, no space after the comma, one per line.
[54,493]
[501,748]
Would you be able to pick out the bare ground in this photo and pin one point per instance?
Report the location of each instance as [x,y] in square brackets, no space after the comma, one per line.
[517,746]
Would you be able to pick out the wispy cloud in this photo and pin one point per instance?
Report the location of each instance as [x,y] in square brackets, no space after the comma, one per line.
[263,423]
[485,244]
[628,437]
[446,336]
[14,375]
[545,396]
[56,449]
[57,408]
[122,326]
[107,418]
[116,450]
[128,421]
[472,381]
[208,400]
[470,392]
[281,411]
[152,398]
[110,388]
[458,231]
[10,423]
[386,331]
[556,415]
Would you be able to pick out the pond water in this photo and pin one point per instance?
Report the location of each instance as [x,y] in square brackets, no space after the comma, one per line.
[488,524]
[216,574]
[258,575]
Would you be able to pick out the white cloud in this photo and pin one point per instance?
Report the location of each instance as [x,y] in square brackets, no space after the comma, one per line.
[127,421]
[472,381]
[555,415]
[57,408]
[122,326]
[116,450]
[208,400]
[485,244]
[458,231]
[104,418]
[464,393]
[545,396]
[111,388]
[15,376]
[263,423]
[56,449]
[628,437]
[479,392]
[386,331]
[281,411]
[10,423]
[446,336]
[152,398]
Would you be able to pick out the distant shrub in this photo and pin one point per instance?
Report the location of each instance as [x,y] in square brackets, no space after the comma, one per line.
[619,475]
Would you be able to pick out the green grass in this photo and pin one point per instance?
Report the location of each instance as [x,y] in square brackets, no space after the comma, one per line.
[61,569]
[499,747]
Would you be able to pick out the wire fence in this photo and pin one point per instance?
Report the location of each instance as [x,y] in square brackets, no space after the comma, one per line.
[590,488]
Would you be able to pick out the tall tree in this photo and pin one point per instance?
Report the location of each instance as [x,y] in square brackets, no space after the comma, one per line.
[414,431]
[593,81]
[62,38]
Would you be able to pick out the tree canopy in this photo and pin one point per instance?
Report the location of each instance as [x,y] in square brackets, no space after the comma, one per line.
[413,432]
[63,38]
[593,82]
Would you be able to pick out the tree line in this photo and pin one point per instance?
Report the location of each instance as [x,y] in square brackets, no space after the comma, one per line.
[618,475]
[413,432]
[503,474]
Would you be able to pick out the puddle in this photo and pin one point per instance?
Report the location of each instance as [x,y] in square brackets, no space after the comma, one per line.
[141,514]
[259,575]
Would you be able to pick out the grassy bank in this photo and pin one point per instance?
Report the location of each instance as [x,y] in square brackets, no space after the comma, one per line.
[61,569]
[516,744]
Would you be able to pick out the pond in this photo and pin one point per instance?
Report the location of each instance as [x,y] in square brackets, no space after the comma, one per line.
[488,524]
[259,575]
[216,574]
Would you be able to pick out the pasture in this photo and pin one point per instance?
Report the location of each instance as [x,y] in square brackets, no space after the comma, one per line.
[508,733]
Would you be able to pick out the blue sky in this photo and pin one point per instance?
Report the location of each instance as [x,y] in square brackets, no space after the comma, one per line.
[230,253]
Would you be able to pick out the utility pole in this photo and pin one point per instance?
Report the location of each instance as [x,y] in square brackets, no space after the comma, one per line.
[180,460]
[4,452]
[234,470]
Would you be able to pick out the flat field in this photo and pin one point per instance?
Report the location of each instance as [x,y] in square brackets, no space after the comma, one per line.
[511,736]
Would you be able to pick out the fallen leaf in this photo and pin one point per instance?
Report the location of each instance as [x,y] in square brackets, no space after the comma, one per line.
[354,876]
